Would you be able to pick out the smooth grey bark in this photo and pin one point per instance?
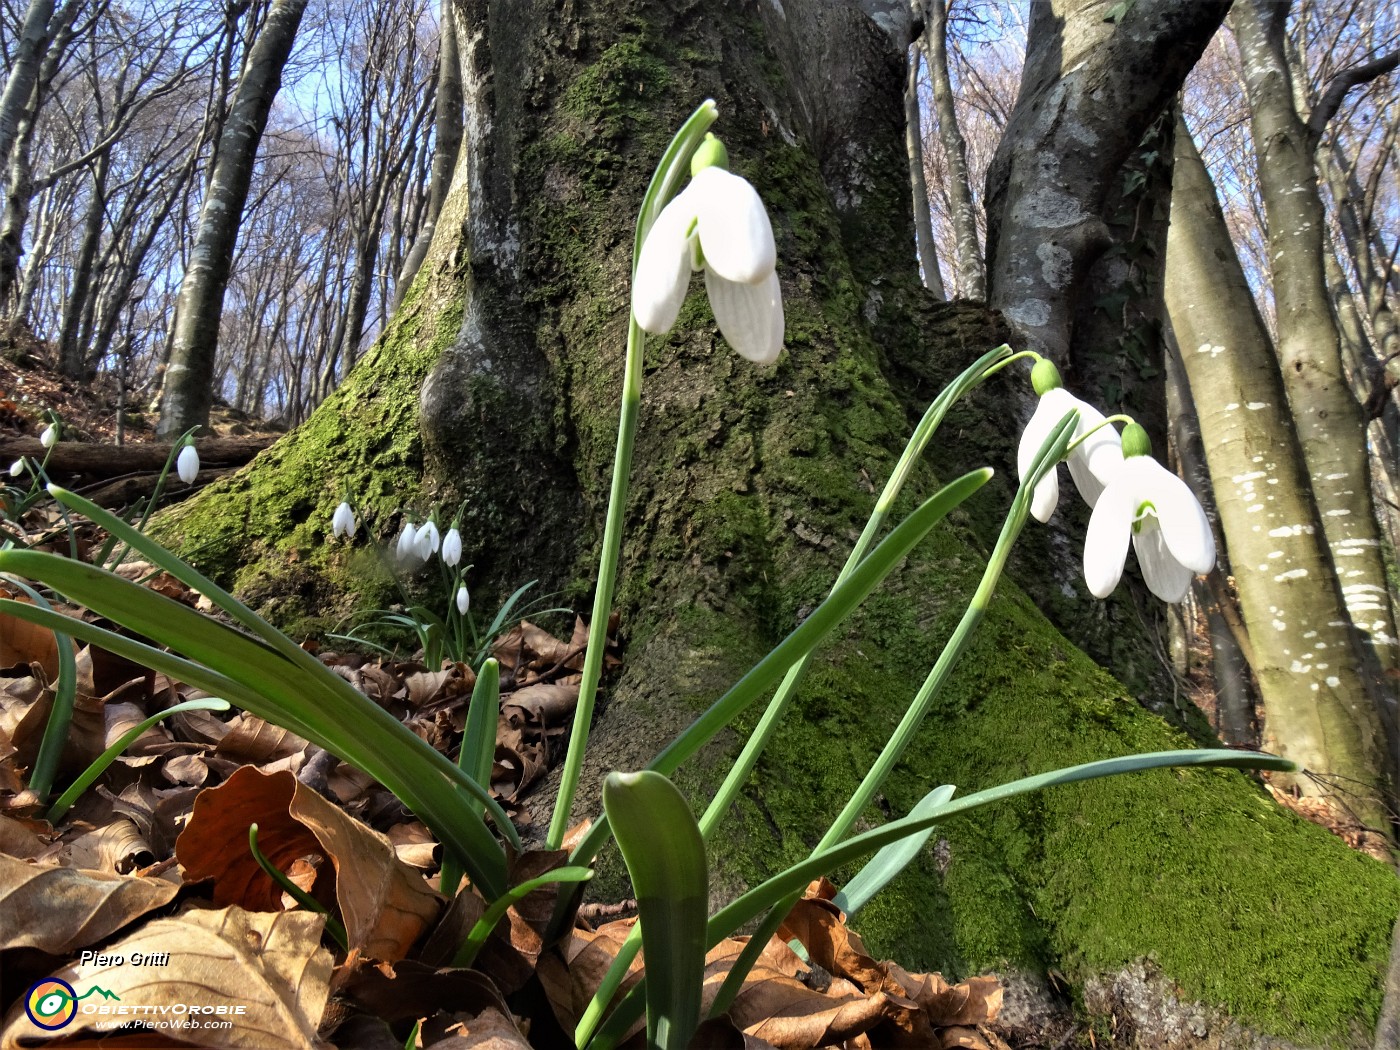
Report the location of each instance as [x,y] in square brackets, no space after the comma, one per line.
[1326,416]
[968,260]
[187,392]
[1089,91]
[447,144]
[1317,708]
[24,73]
[923,219]
[72,354]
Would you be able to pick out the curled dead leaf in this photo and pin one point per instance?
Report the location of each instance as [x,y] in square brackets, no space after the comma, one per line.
[384,904]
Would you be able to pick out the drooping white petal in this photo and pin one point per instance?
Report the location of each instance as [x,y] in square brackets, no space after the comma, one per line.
[187,464]
[732,225]
[49,437]
[1093,463]
[1106,541]
[427,540]
[343,521]
[452,548]
[407,547]
[1049,410]
[1165,577]
[663,267]
[749,315]
[463,600]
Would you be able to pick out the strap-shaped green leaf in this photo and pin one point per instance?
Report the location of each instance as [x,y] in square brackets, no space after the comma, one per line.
[665,856]
[880,869]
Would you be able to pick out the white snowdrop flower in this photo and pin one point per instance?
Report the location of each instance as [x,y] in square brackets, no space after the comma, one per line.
[718,224]
[427,540]
[49,437]
[343,521]
[463,600]
[187,464]
[17,467]
[1169,529]
[407,547]
[1090,464]
[452,547]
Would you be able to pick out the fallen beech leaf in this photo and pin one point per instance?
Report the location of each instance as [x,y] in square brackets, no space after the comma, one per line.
[413,989]
[571,981]
[23,838]
[541,705]
[271,965]
[817,925]
[384,904]
[252,740]
[488,1030]
[22,642]
[59,910]
[116,846]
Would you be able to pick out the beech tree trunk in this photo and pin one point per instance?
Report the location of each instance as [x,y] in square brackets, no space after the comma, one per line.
[1090,88]
[1317,709]
[189,376]
[496,388]
[1325,414]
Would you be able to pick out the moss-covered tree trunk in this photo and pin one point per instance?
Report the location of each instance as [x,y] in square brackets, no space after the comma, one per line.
[498,384]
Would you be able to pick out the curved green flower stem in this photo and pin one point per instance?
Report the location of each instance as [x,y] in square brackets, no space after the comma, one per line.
[333,925]
[1051,452]
[100,764]
[496,911]
[60,720]
[675,163]
[741,911]
[988,364]
[1118,418]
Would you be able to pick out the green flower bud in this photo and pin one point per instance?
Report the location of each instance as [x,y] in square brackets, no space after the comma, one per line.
[1135,441]
[1045,377]
[710,154]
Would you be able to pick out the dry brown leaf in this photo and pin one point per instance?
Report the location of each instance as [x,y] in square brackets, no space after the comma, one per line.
[251,739]
[817,925]
[384,904]
[488,1030]
[117,845]
[571,981]
[24,643]
[543,705]
[25,839]
[515,769]
[270,966]
[59,910]
[410,989]
[414,845]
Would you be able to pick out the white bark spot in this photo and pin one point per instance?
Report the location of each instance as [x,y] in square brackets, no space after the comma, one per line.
[1279,625]
[1032,313]
[1240,478]
[1291,530]
[1207,348]
[1255,406]
[1056,265]
[1338,512]
[1291,574]
[1333,681]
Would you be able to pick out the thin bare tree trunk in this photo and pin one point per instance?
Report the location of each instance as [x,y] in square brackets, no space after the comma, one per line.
[188,377]
[24,74]
[447,132]
[1325,414]
[971,268]
[914,145]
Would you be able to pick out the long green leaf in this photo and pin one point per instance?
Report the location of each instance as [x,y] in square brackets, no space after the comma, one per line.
[478,750]
[892,859]
[496,910]
[317,705]
[60,720]
[665,856]
[838,605]
[764,896]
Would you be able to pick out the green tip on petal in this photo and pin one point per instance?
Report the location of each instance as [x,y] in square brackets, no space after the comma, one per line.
[1135,441]
[710,154]
[1045,377]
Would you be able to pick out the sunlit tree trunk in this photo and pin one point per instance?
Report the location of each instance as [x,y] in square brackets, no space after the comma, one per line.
[1325,414]
[1317,709]
[188,388]
[914,145]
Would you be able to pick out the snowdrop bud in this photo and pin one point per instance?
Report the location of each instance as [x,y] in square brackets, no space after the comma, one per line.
[1045,377]
[452,547]
[710,154]
[187,465]
[463,599]
[343,521]
[49,437]
[407,547]
[17,468]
